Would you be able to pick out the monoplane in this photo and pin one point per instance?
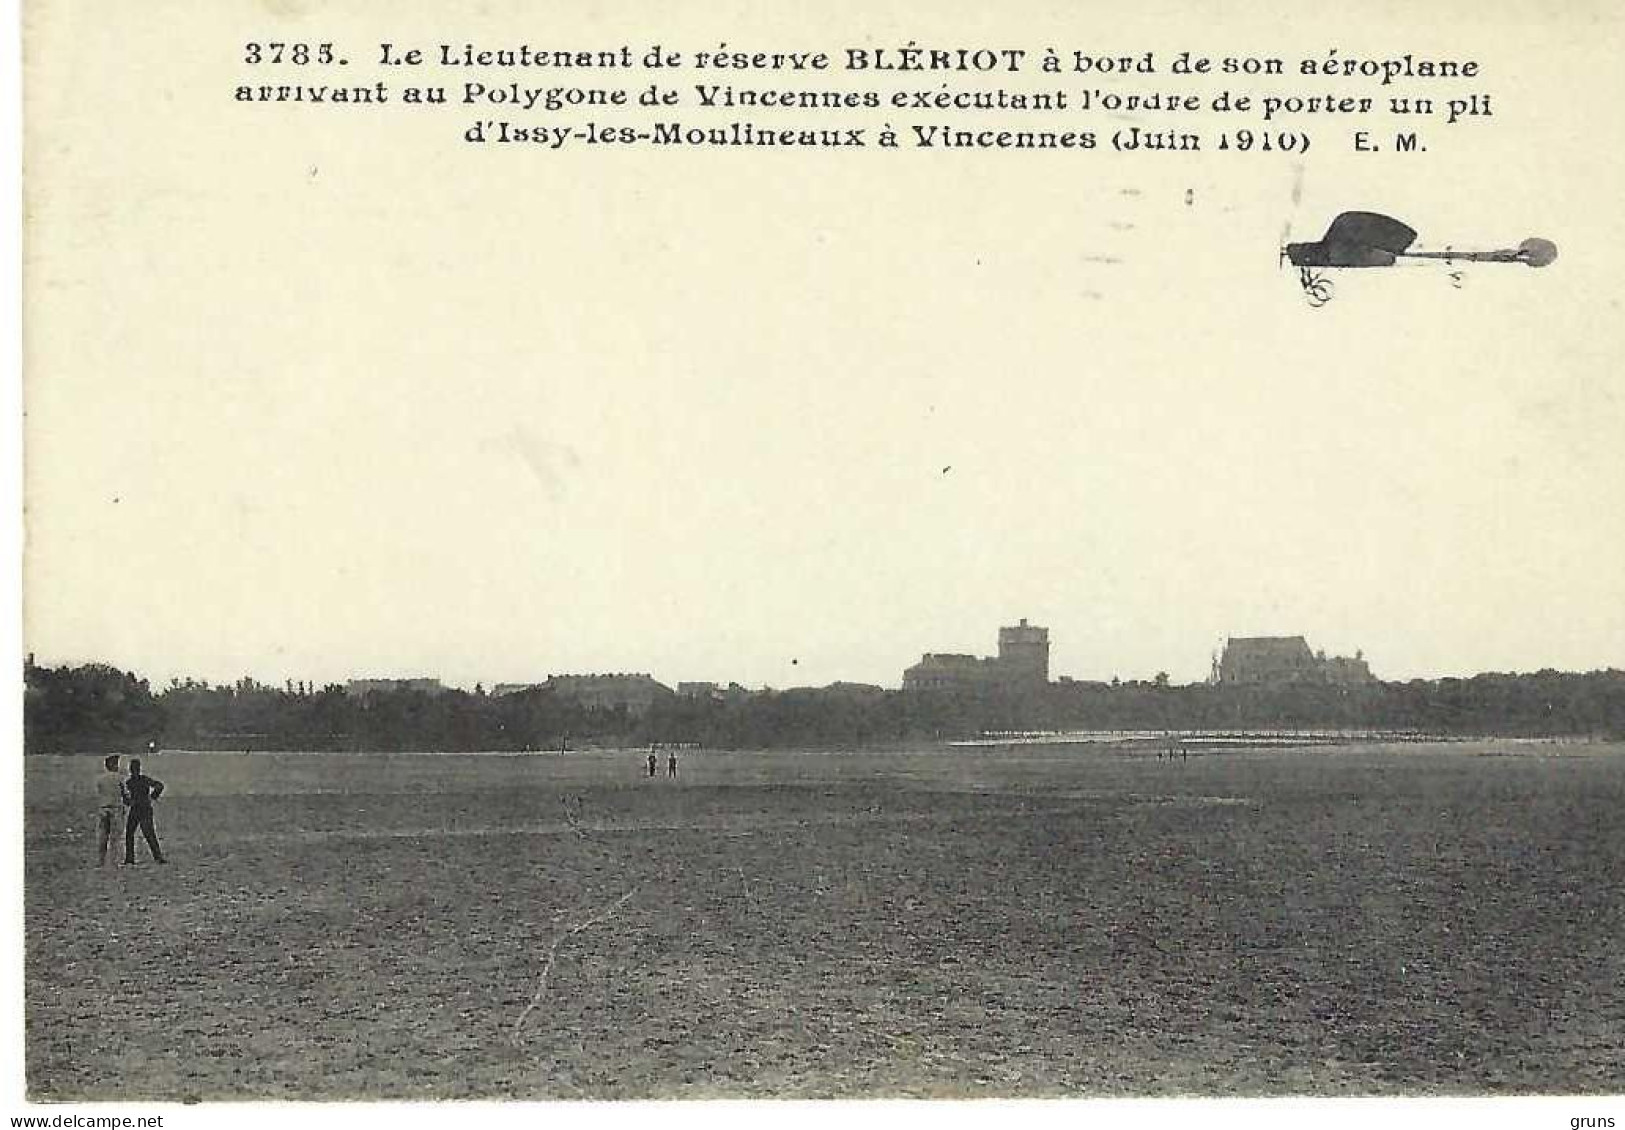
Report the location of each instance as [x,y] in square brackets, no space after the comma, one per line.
[1370,239]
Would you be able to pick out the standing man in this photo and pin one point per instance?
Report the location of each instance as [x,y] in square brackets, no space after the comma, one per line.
[110,805]
[651,761]
[671,763]
[139,793]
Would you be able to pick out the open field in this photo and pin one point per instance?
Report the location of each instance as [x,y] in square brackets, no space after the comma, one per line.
[965,923]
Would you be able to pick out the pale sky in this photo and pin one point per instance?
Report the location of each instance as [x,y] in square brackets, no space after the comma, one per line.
[315,395]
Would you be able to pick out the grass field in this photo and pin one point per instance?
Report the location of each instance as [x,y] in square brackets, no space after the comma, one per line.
[1367,920]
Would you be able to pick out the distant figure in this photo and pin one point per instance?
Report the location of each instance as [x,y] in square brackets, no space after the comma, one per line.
[139,793]
[652,763]
[671,763]
[110,805]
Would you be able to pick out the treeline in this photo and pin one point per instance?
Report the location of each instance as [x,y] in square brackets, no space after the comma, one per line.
[96,707]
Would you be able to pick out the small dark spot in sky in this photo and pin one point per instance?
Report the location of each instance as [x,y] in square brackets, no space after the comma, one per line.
[948,468]
[115,498]
[795,662]
[313,170]
[1109,260]
[1128,192]
[1190,197]
[1122,225]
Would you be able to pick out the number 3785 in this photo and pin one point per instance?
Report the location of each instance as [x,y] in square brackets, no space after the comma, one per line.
[300,54]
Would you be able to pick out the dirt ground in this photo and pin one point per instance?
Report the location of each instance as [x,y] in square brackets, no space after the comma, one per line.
[966,923]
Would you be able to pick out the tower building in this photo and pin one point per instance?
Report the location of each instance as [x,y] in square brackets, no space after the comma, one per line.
[1022,663]
[1024,652]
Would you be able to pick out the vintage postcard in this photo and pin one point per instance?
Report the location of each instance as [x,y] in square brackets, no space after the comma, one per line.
[929,551]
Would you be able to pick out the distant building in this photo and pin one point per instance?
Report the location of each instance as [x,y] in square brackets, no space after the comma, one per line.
[853,690]
[636,693]
[943,671]
[712,692]
[361,688]
[838,689]
[1023,661]
[1283,661]
[1024,652]
[503,689]
[1343,670]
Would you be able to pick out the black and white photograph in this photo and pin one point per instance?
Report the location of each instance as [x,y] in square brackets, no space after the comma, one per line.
[615,553]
